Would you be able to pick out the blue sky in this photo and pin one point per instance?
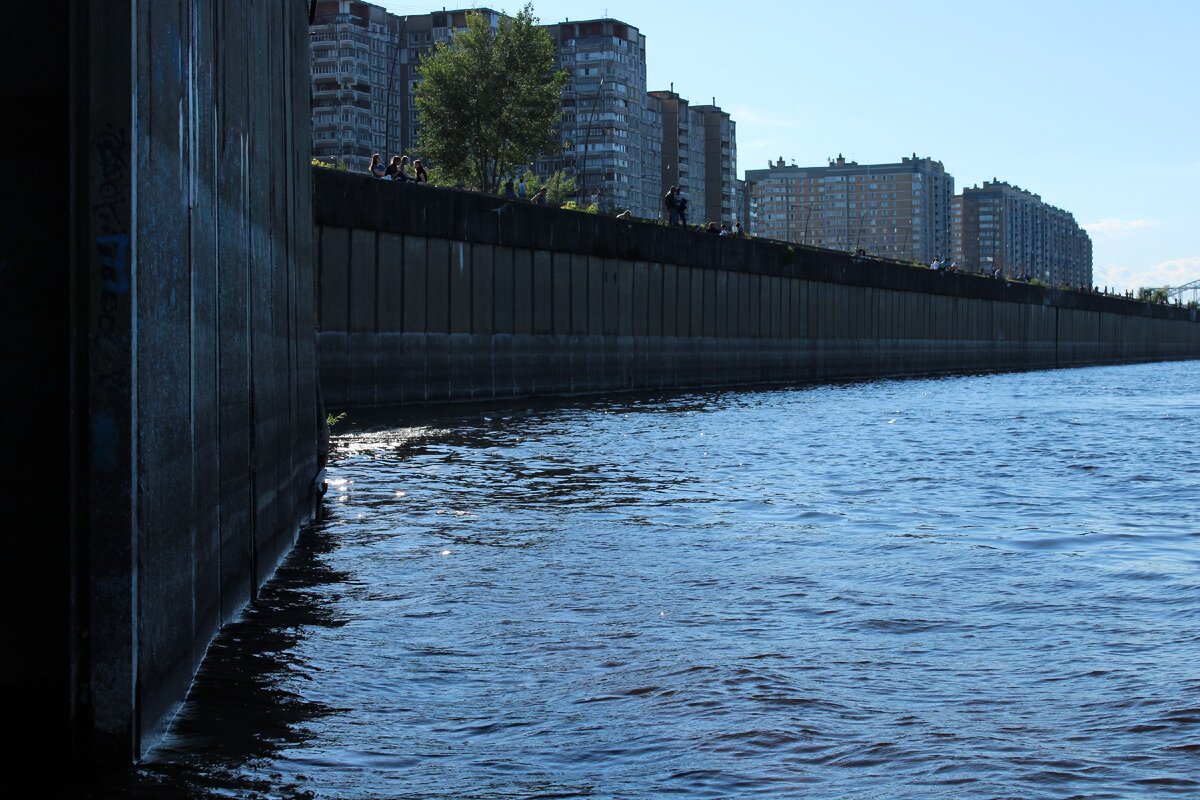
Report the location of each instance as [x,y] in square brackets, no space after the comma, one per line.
[1093,105]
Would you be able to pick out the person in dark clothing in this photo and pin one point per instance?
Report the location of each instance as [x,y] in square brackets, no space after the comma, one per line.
[681,208]
[402,170]
[510,193]
[393,168]
[540,197]
[671,201]
[712,228]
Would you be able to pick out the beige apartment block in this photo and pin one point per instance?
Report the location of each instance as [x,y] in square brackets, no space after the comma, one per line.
[899,210]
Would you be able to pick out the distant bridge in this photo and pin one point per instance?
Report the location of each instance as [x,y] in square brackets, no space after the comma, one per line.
[1181,292]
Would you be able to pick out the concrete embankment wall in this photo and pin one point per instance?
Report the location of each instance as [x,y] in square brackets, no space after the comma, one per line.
[429,295]
[193,362]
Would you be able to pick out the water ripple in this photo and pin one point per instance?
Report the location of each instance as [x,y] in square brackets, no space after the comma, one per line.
[968,587]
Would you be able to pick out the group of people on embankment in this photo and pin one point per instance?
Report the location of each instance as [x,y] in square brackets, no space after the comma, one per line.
[398,169]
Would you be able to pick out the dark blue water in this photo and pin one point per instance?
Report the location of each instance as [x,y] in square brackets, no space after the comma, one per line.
[974,587]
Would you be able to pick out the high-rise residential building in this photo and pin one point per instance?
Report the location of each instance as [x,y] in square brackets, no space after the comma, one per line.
[1008,228]
[956,243]
[611,129]
[899,210]
[355,50]
[363,76]
[683,151]
[741,202]
[699,155]
[720,164]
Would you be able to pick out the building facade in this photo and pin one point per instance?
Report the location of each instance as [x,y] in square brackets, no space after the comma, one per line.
[355,50]
[364,62]
[1007,228]
[956,241]
[611,129]
[747,212]
[683,153]
[720,165]
[899,210]
[699,155]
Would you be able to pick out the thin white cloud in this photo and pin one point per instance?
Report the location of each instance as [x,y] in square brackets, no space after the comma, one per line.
[743,115]
[1117,227]
[1173,272]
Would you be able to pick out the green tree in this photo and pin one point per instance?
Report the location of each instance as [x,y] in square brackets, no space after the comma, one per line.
[488,100]
[560,187]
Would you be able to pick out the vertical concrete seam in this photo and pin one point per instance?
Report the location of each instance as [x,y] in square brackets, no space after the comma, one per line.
[375,325]
[133,359]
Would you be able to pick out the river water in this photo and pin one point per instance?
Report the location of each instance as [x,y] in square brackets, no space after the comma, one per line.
[982,586]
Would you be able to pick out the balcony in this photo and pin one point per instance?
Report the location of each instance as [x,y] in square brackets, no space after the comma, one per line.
[353,95]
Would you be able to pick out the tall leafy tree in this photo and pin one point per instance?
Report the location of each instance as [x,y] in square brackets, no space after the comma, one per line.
[488,100]
[560,187]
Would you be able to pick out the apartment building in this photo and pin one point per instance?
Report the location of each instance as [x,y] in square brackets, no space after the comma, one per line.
[898,210]
[1011,229]
[699,155]
[363,76]
[741,204]
[683,150]
[611,128]
[720,164]
[355,50]
[956,242]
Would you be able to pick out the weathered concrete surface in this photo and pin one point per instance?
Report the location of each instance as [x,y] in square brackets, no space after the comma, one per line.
[592,304]
[192,356]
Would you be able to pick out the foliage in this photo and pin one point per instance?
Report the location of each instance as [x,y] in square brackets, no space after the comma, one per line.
[1152,295]
[1193,304]
[316,162]
[438,177]
[571,205]
[334,419]
[489,101]
[1036,282]
[560,187]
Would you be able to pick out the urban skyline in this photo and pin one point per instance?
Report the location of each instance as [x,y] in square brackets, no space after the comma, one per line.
[1096,108]
[626,144]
